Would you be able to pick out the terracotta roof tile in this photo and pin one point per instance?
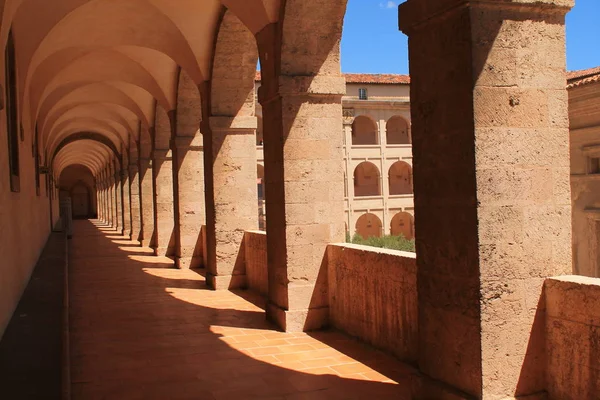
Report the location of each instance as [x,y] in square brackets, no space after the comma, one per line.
[378,79]
[583,77]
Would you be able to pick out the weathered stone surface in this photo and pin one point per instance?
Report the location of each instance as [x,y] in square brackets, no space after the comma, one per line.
[572,337]
[498,172]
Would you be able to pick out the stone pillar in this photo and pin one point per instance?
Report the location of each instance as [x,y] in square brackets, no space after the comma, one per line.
[136,207]
[491,175]
[109,197]
[231,199]
[118,201]
[103,197]
[147,202]
[188,189]
[113,198]
[162,167]
[100,196]
[305,183]
[126,196]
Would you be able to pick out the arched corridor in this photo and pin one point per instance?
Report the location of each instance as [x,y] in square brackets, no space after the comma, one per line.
[367,180]
[402,224]
[397,131]
[368,225]
[364,131]
[143,330]
[400,178]
[156,101]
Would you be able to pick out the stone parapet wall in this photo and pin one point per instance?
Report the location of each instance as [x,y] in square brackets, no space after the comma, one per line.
[255,248]
[373,296]
[573,337]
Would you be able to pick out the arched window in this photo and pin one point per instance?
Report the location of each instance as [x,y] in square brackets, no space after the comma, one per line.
[400,178]
[397,131]
[364,131]
[402,224]
[12,119]
[369,225]
[366,180]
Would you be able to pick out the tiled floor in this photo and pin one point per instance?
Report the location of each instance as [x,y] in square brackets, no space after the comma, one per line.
[142,330]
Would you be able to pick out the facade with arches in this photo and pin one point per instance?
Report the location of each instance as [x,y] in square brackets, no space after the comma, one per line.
[377,151]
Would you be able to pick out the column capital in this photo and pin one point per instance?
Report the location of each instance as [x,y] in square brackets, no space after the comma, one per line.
[312,86]
[417,13]
[227,124]
[188,143]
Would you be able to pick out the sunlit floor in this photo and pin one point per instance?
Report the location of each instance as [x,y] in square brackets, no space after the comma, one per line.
[143,330]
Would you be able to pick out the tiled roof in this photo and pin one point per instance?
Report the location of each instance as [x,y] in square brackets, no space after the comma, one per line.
[583,77]
[378,79]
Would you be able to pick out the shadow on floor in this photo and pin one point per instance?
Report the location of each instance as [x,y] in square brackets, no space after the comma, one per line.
[141,329]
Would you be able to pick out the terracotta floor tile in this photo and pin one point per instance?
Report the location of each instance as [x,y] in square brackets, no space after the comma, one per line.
[141,329]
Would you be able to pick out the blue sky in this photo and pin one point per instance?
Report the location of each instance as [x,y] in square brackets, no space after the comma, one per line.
[372,43]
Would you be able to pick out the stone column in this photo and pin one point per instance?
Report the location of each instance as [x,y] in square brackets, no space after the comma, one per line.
[188,189]
[305,184]
[113,198]
[126,196]
[104,198]
[162,167]
[231,198]
[491,175]
[109,197]
[99,196]
[136,207]
[147,202]
[118,201]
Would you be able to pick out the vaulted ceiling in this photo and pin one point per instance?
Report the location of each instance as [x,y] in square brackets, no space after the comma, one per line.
[104,66]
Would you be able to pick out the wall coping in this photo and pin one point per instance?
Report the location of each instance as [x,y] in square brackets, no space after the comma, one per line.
[378,250]
[258,232]
[578,279]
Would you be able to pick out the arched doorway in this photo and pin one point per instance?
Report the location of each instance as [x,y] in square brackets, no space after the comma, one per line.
[366,180]
[369,225]
[400,178]
[364,131]
[80,201]
[402,224]
[397,131]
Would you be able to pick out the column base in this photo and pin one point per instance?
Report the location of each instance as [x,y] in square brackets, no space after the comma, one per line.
[225,282]
[127,234]
[298,320]
[188,262]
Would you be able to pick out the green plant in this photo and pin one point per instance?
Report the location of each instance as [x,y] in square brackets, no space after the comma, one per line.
[391,242]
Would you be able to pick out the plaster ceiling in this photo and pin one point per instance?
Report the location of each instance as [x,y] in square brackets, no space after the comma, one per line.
[103,66]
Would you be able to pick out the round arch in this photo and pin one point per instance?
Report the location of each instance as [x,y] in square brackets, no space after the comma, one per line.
[367,181]
[364,131]
[400,178]
[403,224]
[96,137]
[397,130]
[369,225]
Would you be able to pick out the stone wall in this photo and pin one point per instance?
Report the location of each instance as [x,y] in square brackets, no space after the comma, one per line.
[573,337]
[24,226]
[373,296]
[255,247]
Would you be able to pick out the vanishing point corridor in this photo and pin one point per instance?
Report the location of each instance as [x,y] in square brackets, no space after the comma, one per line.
[141,329]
